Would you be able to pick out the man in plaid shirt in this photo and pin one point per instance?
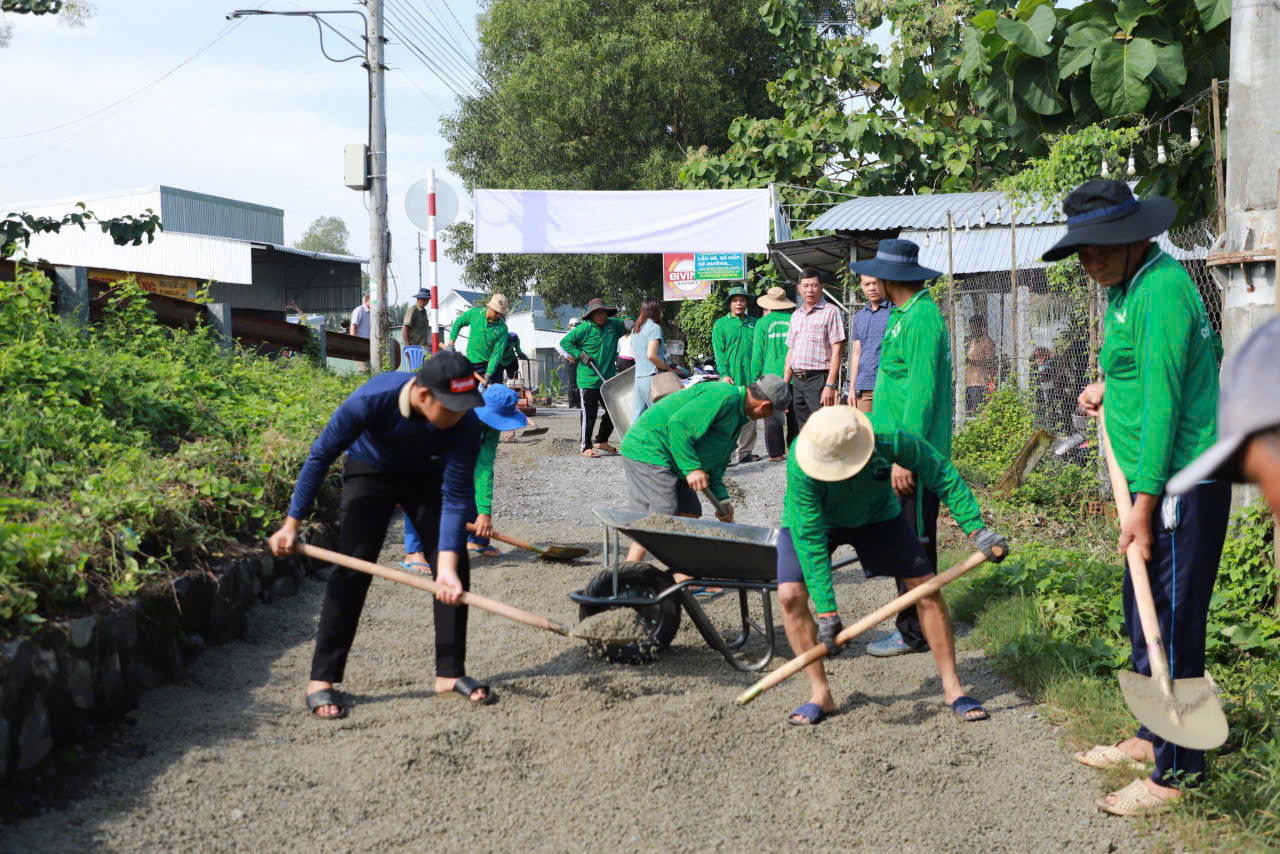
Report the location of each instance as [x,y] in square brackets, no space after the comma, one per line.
[814,344]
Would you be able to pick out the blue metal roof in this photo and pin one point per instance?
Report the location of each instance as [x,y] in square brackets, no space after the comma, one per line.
[892,213]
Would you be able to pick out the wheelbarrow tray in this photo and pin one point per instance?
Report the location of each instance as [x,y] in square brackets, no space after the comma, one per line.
[617,393]
[747,553]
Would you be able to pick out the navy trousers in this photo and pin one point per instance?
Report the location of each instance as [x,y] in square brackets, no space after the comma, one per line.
[1185,550]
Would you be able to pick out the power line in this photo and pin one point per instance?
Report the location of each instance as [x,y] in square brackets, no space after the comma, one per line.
[460,27]
[456,64]
[443,37]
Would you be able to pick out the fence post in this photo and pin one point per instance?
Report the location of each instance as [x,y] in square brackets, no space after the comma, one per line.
[218,316]
[71,286]
[956,364]
[322,339]
[1013,291]
[1092,287]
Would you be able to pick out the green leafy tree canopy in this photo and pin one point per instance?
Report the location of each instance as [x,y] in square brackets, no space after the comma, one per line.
[325,234]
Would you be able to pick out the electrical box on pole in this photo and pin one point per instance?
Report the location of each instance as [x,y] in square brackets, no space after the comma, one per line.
[355,166]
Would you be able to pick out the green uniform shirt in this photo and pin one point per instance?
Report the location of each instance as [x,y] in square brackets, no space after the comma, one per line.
[598,342]
[486,341]
[417,326]
[695,428]
[731,339]
[1161,359]
[769,349]
[512,350]
[484,469]
[913,383]
[813,506]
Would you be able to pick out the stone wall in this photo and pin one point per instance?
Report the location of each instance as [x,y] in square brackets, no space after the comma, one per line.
[91,669]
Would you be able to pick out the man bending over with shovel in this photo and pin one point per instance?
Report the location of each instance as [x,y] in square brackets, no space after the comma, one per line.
[839,493]
[411,443]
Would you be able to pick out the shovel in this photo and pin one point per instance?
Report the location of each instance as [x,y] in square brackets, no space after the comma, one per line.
[715,502]
[1183,711]
[817,651]
[610,628]
[552,552]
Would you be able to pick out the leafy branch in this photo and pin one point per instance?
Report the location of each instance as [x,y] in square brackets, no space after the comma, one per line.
[127,230]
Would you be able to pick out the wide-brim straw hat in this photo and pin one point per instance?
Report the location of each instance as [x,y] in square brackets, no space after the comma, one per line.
[897,261]
[775,299]
[498,303]
[597,304]
[1106,213]
[835,443]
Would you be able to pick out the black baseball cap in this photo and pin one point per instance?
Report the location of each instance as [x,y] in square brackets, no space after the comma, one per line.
[449,377]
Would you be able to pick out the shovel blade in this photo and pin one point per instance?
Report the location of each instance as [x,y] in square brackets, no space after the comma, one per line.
[535,431]
[1199,723]
[562,553]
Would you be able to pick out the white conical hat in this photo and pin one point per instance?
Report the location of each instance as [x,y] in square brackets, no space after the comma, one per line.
[835,443]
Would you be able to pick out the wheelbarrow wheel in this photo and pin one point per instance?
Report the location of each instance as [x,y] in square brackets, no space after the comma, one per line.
[662,619]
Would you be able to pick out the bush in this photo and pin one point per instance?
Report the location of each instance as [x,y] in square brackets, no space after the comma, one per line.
[988,442]
[130,449]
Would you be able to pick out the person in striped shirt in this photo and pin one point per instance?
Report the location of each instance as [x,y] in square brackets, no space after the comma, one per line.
[815,341]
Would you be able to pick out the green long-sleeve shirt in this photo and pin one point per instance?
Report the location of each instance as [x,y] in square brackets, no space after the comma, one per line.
[812,506]
[486,341]
[731,340]
[512,351]
[769,349]
[695,428]
[913,384]
[1161,359]
[484,469]
[598,342]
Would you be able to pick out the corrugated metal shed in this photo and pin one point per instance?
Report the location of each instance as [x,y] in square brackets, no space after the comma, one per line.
[171,254]
[215,216]
[894,213]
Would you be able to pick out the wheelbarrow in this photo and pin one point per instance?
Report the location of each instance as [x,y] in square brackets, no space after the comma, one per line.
[745,561]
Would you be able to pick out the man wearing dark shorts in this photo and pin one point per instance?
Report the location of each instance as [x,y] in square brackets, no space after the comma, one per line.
[682,444]
[838,493]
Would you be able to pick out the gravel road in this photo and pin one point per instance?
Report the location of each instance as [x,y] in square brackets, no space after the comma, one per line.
[579,754]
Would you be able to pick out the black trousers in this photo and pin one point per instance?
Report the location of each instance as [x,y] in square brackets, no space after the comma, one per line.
[773,438]
[806,394]
[926,529]
[369,497]
[1186,546]
[575,397]
[593,402]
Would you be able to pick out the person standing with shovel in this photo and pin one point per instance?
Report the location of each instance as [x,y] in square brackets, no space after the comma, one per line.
[1160,357]
[769,356]
[410,443]
[593,346]
[487,340]
[838,493]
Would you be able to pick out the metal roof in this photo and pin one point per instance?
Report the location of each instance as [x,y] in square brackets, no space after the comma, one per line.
[319,256]
[829,253]
[892,213]
[986,250]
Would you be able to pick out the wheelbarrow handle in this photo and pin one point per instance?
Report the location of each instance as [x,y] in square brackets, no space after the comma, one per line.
[817,651]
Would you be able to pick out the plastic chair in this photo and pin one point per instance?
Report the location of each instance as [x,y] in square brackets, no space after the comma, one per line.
[411,358]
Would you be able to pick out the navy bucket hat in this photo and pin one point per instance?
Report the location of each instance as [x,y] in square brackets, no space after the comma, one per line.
[897,261]
[1106,213]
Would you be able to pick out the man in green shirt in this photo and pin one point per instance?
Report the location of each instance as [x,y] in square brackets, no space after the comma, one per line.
[593,346]
[769,356]
[511,355]
[682,445]
[488,337]
[838,493]
[1161,359]
[913,388]
[731,340]
[416,330]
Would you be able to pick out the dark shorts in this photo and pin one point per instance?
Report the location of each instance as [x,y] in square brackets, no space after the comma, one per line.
[657,489]
[884,548]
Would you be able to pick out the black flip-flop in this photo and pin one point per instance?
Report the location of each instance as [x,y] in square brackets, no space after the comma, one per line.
[466,686]
[325,697]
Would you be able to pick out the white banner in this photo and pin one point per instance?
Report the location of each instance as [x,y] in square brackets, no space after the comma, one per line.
[625,221]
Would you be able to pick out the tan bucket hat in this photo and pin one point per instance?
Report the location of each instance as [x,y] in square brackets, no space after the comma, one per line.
[498,303]
[835,443]
[775,299]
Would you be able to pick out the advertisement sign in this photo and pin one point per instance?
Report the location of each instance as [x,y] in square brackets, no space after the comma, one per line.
[169,286]
[688,275]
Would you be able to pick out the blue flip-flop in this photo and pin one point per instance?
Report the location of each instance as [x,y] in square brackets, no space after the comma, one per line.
[412,567]
[966,704]
[811,712]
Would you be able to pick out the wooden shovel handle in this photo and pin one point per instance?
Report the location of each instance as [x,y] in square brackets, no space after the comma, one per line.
[503,538]
[817,651]
[715,502]
[1137,564]
[423,583]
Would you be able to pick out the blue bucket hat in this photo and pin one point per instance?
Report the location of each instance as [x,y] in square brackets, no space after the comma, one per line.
[897,261]
[499,410]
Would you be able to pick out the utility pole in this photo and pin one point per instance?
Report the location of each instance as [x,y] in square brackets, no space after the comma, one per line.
[374,44]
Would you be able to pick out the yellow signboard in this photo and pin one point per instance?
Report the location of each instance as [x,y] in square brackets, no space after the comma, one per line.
[169,286]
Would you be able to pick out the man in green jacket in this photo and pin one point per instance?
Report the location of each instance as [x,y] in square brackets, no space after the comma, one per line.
[838,493]
[682,445]
[769,356]
[593,346]
[731,340]
[487,339]
[511,354]
[1161,357]
[913,388]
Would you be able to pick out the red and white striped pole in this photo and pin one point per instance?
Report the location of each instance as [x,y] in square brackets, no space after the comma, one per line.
[434,268]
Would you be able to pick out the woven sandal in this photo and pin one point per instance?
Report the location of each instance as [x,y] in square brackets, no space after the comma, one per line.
[1133,800]
[1107,756]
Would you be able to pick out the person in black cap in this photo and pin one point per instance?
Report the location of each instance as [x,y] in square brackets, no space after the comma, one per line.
[1160,357]
[416,330]
[410,443]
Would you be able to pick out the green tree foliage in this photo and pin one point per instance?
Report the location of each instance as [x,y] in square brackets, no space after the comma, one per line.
[128,230]
[600,95]
[71,13]
[325,234]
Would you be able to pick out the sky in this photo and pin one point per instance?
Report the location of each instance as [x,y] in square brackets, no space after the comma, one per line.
[260,116]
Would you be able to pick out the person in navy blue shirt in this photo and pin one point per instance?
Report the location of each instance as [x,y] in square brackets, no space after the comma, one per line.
[864,352]
[410,442]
